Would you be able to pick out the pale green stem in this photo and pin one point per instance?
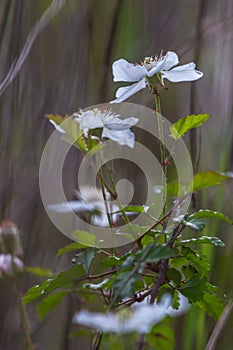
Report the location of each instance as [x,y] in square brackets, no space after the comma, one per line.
[161,146]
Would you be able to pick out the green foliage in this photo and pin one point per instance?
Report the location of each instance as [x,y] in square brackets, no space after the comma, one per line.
[74,135]
[49,303]
[161,337]
[179,128]
[200,181]
[62,279]
[84,258]
[194,287]
[206,179]
[156,252]
[209,214]
[124,284]
[38,271]
[84,238]
[69,248]
[203,239]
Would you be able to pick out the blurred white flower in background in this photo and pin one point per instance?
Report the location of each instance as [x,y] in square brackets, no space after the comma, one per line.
[10,265]
[141,319]
[93,203]
[140,74]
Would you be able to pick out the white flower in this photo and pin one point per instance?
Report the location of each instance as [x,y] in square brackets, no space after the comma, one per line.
[114,128]
[140,74]
[10,265]
[141,319]
[93,203]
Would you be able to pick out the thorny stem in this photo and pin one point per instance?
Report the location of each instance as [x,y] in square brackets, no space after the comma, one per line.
[28,345]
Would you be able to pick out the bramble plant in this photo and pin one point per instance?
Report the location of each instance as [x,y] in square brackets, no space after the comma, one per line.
[163,270]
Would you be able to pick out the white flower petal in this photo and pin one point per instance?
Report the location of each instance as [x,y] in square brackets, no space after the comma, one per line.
[168,61]
[89,120]
[125,92]
[140,320]
[122,137]
[57,127]
[119,124]
[125,71]
[186,72]
[68,207]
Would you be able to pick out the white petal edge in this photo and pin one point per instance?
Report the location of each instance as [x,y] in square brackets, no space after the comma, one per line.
[125,71]
[185,72]
[57,127]
[124,93]
[122,137]
[119,124]
[69,207]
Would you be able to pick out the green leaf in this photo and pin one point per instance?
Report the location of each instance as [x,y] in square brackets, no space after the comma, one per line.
[176,300]
[38,271]
[114,260]
[194,288]
[204,239]
[161,337]
[205,179]
[85,258]
[195,224]
[178,261]
[174,275]
[197,259]
[74,135]
[128,263]
[49,303]
[184,124]
[84,238]
[206,214]
[124,284]
[134,209]
[69,248]
[212,305]
[175,188]
[49,285]
[156,252]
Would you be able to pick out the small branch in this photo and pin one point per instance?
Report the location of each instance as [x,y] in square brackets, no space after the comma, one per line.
[159,280]
[96,276]
[47,16]
[219,326]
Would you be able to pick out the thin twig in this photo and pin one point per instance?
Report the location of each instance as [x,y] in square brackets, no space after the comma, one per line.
[219,326]
[47,16]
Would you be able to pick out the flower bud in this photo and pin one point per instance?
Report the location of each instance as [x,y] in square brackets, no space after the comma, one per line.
[10,266]
[9,237]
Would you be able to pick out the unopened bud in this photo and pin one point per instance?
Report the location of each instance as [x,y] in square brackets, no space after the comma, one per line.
[10,266]
[9,237]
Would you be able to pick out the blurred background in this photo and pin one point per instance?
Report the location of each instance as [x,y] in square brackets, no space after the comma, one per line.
[69,67]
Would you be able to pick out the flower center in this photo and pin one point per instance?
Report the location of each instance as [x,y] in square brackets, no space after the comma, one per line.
[150,62]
